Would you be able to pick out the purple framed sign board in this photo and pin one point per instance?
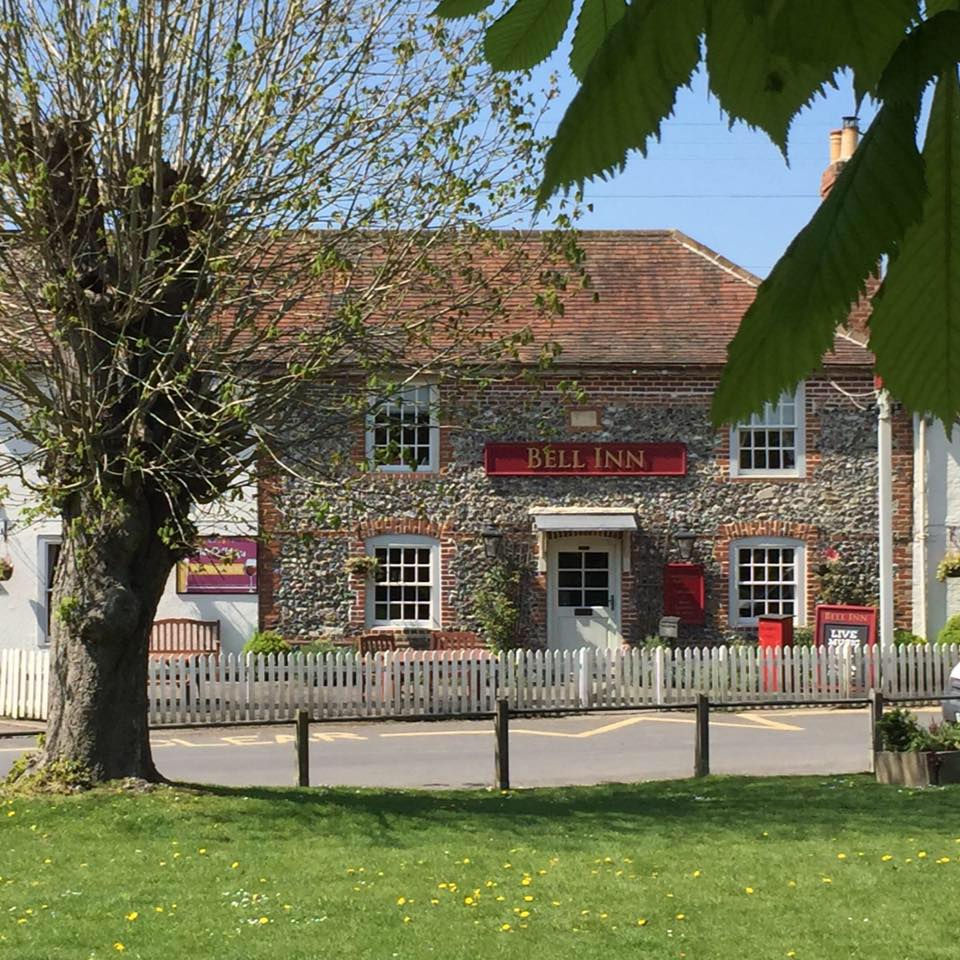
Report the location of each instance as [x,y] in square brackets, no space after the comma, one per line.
[222,565]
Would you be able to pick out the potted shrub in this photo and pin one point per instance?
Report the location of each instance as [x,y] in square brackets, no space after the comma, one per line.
[949,566]
[917,756]
[6,568]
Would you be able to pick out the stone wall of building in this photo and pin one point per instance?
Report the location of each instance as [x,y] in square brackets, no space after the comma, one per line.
[311,531]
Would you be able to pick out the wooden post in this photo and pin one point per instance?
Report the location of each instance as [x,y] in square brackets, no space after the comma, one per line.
[875,712]
[501,732]
[701,747]
[302,744]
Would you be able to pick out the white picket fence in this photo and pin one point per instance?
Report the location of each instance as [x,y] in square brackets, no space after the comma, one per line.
[226,688]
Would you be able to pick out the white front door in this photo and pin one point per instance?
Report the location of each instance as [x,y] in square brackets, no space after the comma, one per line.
[583,585]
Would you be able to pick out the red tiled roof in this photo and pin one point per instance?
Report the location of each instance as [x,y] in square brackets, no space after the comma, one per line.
[661,298]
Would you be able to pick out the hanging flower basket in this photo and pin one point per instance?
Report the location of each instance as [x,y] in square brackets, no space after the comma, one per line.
[6,569]
[949,566]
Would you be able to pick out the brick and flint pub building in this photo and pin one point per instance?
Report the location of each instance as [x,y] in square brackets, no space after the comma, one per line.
[617,503]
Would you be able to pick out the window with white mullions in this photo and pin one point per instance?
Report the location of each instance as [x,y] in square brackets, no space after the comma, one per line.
[771,443]
[404,588]
[583,578]
[766,580]
[402,431]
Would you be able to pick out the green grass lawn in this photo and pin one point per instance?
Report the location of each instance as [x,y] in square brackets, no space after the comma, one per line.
[813,868]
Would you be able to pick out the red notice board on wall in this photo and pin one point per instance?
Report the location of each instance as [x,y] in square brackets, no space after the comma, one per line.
[684,593]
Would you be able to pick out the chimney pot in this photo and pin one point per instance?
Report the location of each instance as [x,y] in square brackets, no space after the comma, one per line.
[849,137]
[835,145]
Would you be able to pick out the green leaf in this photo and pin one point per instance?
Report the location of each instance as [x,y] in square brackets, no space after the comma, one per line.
[454,9]
[751,80]
[594,23]
[792,321]
[915,325]
[859,35]
[629,88]
[526,34]
[931,49]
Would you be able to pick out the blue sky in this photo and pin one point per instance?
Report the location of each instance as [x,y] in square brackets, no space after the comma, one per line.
[729,189]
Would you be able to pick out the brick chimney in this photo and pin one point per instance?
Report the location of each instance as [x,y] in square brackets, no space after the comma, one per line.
[842,144]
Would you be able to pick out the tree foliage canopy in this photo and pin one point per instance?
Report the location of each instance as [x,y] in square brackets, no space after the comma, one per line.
[225,229]
[766,60]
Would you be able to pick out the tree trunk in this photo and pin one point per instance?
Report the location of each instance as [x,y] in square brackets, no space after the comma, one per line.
[111,574]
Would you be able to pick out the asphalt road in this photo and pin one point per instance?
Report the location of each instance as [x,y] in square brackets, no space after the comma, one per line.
[543,752]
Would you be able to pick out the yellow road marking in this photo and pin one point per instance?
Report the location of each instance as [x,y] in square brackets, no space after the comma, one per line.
[767,722]
[331,737]
[18,749]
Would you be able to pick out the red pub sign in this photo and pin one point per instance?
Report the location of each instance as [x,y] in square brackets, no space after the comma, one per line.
[538,459]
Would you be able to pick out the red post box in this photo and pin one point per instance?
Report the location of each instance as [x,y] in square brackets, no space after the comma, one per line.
[774,633]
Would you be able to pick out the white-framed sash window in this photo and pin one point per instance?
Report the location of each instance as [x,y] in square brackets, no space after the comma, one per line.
[771,443]
[767,578]
[404,590]
[403,432]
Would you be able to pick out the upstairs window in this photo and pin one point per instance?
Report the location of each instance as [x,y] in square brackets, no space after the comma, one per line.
[766,579]
[402,431]
[770,443]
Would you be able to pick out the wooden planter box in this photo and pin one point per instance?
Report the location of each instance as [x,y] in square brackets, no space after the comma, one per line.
[914,769]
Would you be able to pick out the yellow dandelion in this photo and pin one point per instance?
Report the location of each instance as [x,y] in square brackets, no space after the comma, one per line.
[526,881]
[681,916]
[119,947]
[524,914]
[507,866]
[202,851]
[791,883]
[826,879]
[791,953]
[434,901]
[943,860]
[466,859]
[501,899]
[11,813]
[748,889]
[442,886]
[22,920]
[642,922]
[406,919]
[555,903]
[132,915]
[921,854]
[841,856]
[401,901]
[468,901]
[158,909]
[263,920]
[528,898]
[504,927]
[886,857]
[603,916]
[542,873]
[235,864]
[696,873]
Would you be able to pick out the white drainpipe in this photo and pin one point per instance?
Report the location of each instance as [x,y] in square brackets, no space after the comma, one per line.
[920,531]
[885,491]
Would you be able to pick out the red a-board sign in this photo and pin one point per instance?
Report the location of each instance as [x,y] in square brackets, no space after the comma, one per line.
[683,592]
[840,625]
[540,459]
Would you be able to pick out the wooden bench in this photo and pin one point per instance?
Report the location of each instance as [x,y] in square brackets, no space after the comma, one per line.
[184,638]
[456,640]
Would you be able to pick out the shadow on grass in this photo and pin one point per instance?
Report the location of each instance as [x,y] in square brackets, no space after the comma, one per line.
[801,807]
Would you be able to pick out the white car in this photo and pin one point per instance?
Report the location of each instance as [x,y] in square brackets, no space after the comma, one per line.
[951,708]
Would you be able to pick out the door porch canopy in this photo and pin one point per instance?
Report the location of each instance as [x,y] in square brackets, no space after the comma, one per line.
[587,519]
